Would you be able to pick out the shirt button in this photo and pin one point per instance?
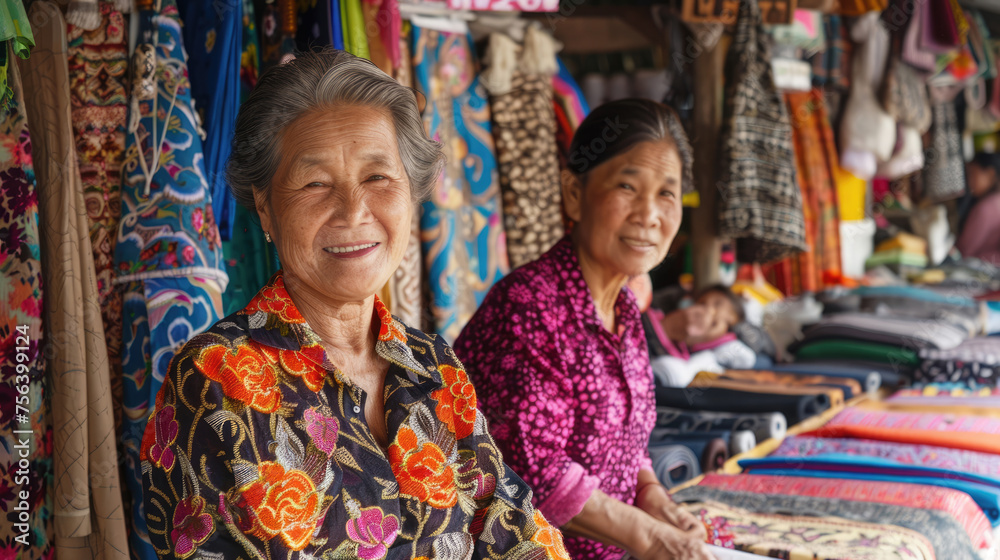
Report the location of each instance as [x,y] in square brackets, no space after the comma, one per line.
[357,410]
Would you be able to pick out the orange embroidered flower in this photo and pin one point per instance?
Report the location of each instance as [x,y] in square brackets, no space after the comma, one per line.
[421,470]
[304,363]
[550,538]
[245,374]
[274,299]
[282,503]
[390,329]
[456,401]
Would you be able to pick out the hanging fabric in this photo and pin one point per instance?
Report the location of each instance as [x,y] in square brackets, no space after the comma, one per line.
[944,176]
[98,64]
[278,30]
[87,510]
[760,202]
[213,39]
[169,255]
[464,246]
[15,30]
[519,80]
[355,36]
[21,333]
[316,23]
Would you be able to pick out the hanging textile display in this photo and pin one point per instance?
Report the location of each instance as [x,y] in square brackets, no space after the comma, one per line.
[15,30]
[353,20]
[213,39]
[88,515]
[317,22]
[944,176]
[760,202]
[406,295]
[169,254]
[98,62]
[21,334]
[278,30]
[519,80]
[464,246]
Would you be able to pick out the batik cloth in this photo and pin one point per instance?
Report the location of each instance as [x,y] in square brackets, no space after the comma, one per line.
[250,57]
[464,245]
[984,464]
[98,65]
[814,538]
[760,204]
[278,29]
[213,39]
[88,516]
[538,343]
[21,306]
[946,535]
[169,254]
[951,502]
[974,363]
[524,129]
[259,446]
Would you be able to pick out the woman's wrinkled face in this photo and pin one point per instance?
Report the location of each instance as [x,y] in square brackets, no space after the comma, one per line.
[339,209]
[630,209]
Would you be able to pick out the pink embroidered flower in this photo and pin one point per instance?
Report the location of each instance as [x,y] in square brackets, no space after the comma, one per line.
[170,259]
[192,526]
[198,219]
[188,254]
[323,430]
[166,433]
[373,532]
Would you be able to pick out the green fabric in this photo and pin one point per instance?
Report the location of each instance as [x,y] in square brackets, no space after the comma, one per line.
[896,256]
[857,350]
[250,259]
[355,38]
[6,94]
[16,28]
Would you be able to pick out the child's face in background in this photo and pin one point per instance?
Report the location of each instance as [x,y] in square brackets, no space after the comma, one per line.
[721,316]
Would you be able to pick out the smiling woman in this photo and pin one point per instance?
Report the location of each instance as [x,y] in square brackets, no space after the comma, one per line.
[313,423]
[560,343]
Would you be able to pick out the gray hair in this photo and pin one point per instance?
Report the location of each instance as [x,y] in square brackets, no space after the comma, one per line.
[315,80]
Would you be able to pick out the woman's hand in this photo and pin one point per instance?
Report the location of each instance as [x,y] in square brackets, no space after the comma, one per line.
[653,499]
[665,542]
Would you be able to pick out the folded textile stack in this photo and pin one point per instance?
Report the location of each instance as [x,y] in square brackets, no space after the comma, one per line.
[904,254]
[927,479]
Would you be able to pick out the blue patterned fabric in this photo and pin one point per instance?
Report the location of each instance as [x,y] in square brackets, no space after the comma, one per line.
[213,39]
[464,244]
[169,254]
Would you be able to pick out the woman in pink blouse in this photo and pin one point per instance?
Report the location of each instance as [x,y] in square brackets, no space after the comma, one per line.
[557,348]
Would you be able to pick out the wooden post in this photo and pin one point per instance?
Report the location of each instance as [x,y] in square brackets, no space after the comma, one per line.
[708,94]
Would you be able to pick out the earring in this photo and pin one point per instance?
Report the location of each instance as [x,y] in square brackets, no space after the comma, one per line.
[267,236]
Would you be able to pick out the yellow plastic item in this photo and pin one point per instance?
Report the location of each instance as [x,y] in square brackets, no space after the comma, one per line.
[851,193]
[906,242]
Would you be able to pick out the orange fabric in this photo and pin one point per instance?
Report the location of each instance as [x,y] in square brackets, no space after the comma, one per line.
[791,379]
[706,380]
[970,441]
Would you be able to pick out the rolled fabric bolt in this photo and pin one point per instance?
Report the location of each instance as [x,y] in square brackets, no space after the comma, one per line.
[715,455]
[764,425]
[741,442]
[674,464]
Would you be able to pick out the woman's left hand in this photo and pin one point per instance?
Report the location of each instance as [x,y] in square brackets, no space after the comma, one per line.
[653,499]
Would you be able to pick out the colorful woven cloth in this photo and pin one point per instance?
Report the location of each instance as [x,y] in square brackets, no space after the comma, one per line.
[89,519]
[945,534]
[952,502]
[986,464]
[464,245]
[974,363]
[814,538]
[169,254]
[984,490]
[21,306]
[98,64]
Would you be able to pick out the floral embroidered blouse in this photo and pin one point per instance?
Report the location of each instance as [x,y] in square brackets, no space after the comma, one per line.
[259,448]
[570,404]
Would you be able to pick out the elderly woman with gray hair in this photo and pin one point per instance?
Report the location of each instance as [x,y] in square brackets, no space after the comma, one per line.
[313,423]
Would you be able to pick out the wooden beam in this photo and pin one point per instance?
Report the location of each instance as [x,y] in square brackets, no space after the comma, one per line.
[708,94]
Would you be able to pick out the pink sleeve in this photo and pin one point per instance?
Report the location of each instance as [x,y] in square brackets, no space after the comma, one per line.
[566,500]
[982,228]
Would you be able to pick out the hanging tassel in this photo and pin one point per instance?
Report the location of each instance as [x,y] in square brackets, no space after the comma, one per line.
[500,62]
[84,14]
[539,54]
